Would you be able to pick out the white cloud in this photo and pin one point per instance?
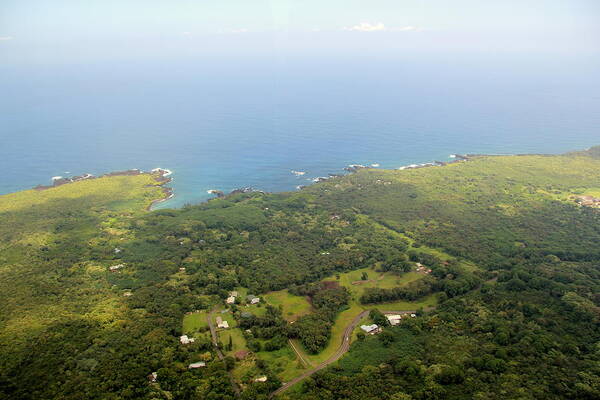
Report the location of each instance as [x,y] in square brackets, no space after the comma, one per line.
[367,27]
[4,38]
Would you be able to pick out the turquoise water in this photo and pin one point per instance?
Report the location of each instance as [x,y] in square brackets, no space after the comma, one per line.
[251,124]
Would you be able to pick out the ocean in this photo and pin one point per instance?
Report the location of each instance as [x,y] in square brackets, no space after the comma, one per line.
[252,123]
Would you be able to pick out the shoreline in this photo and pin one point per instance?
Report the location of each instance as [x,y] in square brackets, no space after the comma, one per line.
[160,175]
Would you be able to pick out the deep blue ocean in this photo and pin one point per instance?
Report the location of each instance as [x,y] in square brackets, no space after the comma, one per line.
[251,123]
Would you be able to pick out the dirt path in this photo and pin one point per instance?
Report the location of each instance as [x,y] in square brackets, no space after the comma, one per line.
[215,341]
[299,354]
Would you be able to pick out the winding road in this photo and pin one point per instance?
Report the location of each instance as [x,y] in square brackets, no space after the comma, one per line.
[344,346]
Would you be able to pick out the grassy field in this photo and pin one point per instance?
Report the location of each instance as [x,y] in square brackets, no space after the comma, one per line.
[352,280]
[258,310]
[195,322]
[293,306]
[239,343]
[283,362]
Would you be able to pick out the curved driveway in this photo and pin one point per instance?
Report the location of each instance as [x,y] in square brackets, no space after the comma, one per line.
[338,354]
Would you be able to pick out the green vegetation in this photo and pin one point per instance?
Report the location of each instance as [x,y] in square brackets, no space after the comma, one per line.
[292,306]
[508,286]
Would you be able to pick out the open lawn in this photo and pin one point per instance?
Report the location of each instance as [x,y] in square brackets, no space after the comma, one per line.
[283,362]
[293,306]
[195,322]
[352,280]
[238,341]
[256,309]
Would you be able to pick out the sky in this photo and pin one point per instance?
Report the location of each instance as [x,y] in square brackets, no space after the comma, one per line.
[53,31]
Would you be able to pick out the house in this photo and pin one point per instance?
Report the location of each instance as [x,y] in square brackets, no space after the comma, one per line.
[230,300]
[221,323]
[186,340]
[152,377]
[252,299]
[371,329]
[116,267]
[413,315]
[195,365]
[394,319]
[261,379]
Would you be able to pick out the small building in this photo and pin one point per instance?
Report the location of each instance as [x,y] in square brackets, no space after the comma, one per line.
[413,315]
[230,300]
[371,329]
[394,319]
[261,379]
[195,365]
[221,323]
[115,267]
[252,299]
[152,377]
[186,340]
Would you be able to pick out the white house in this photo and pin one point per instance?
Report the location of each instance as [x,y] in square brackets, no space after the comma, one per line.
[116,267]
[230,300]
[199,364]
[394,319]
[261,379]
[185,339]
[221,323]
[371,329]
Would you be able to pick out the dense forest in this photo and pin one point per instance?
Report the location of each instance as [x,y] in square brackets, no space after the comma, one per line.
[93,288]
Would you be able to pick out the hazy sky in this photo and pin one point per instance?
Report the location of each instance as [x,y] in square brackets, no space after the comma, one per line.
[62,30]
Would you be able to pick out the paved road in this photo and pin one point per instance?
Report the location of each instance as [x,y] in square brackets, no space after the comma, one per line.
[344,346]
[215,341]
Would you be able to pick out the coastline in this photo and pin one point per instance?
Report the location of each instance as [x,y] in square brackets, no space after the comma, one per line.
[160,175]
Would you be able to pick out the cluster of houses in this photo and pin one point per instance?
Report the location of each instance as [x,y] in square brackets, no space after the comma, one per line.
[250,299]
[394,319]
[423,269]
[589,201]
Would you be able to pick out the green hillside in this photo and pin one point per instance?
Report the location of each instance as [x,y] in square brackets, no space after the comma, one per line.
[495,254]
